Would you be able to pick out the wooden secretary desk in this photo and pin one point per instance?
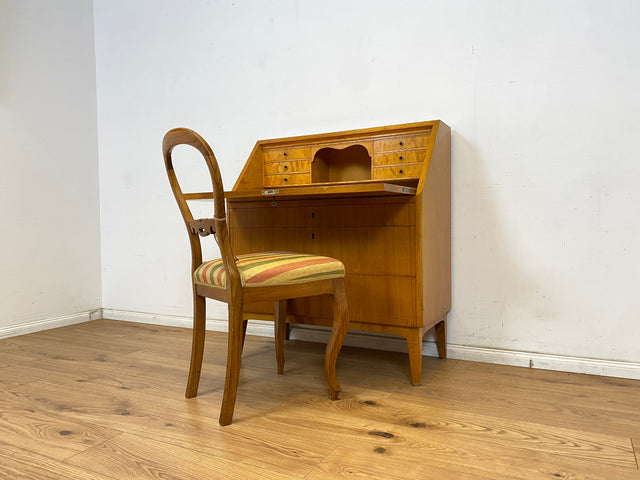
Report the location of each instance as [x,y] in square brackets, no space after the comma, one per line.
[379,200]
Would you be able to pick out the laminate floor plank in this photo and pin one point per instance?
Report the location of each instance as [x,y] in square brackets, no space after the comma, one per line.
[130,457]
[54,435]
[347,463]
[19,464]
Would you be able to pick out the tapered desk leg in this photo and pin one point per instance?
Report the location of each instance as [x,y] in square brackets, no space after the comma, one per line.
[441,337]
[414,345]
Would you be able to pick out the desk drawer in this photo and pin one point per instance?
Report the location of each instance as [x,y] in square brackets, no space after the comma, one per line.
[288,153]
[401,142]
[410,156]
[287,179]
[411,170]
[272,168]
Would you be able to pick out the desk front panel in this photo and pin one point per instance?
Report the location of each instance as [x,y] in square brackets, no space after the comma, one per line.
[374,238]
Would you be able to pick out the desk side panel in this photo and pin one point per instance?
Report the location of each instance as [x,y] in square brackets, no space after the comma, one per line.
[434,227]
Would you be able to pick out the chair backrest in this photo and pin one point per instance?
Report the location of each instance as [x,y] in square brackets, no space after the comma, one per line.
[217,225]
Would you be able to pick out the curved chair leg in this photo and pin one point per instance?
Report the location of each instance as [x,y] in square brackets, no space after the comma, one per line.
[338,333]
[280,326]
[197,344]
[234,357]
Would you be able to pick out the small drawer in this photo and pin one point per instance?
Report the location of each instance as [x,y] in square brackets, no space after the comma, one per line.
[409,156]
[271,168]
[398,171]
[401,142]
[284,179]
[287,153]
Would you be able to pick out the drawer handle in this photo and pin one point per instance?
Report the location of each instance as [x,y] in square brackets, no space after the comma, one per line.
[286,179]
[285,154]
[400,157]
[285,167]
[400,143]
[398,171]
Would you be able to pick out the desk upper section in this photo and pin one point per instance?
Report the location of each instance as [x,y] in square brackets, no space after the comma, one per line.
[391,160]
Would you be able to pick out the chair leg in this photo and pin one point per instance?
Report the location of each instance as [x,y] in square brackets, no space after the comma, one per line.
[338,333]
[197,344]
[234,357]
[280,327]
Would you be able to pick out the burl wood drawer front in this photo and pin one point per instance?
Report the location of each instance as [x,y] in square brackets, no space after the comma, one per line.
[399,171]
[287,179]
[288,153]
[401,142]
[410,156]
[300,166]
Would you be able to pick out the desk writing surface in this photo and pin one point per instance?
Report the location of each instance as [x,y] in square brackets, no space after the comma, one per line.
[378,200]
[364,188]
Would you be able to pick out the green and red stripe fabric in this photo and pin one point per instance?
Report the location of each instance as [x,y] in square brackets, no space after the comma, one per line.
[270,268]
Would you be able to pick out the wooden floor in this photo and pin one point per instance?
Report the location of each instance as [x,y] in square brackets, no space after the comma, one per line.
[105,400]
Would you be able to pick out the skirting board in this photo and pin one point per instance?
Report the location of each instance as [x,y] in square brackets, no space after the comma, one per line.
[49,323]
[543,361]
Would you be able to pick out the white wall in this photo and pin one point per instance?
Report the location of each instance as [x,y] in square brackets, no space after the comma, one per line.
[542,98]
[49,210]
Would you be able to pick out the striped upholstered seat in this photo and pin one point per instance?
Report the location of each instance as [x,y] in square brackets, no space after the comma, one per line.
[270,268]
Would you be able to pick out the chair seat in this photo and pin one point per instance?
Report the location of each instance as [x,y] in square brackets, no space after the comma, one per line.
[270,268]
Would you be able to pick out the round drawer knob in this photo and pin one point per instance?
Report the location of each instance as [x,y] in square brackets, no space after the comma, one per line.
[400,143]
[285,154]
[400,171]
[286,179]
[400,157]
[286,166]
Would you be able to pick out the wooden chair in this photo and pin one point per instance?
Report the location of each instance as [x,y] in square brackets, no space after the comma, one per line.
[242,279]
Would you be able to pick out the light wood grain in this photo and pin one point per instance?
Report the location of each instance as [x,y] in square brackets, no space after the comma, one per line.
[23,464]
[97,410]
[395,243]
[136,458]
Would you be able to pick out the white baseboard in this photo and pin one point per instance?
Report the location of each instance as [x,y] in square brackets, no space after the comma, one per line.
[49,323]
[376,341]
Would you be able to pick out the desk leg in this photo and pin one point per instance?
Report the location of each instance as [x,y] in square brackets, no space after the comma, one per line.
[414,344]
[441,337]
